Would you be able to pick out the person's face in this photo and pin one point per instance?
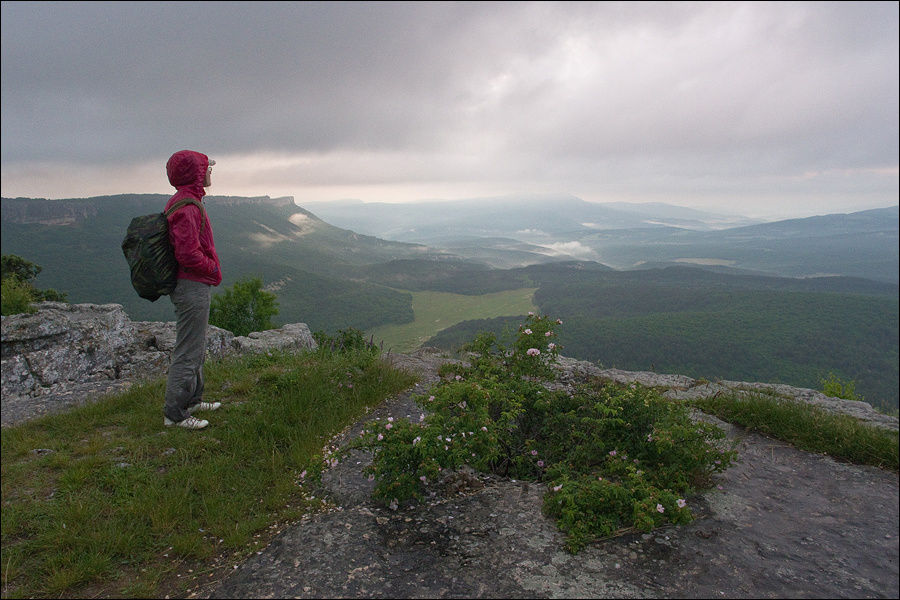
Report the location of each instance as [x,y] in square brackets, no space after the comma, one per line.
[208,181]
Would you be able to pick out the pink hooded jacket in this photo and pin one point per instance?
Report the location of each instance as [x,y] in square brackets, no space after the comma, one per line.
[195,251]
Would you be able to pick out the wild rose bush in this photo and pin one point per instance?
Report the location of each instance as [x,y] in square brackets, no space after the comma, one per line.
[613,457]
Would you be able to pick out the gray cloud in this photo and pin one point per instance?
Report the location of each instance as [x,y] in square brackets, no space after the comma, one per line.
[598,99]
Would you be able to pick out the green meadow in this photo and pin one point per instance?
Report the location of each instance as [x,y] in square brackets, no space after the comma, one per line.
[435,311]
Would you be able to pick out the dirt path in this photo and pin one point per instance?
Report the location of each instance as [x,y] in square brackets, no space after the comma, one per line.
[785,523]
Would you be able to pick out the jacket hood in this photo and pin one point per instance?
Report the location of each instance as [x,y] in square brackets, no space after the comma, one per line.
[187,171]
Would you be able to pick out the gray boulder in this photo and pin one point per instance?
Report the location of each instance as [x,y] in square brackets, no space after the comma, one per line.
[65,353]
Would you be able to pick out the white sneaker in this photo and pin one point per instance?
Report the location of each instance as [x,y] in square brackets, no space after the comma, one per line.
[204,406]
[189,423]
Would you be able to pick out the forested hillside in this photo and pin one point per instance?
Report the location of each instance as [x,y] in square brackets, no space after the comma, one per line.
[710,325]
[306,261]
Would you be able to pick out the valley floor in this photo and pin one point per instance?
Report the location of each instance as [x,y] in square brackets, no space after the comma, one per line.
[435,311]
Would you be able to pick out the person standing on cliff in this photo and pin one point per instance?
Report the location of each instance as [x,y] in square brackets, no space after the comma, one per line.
[198,270]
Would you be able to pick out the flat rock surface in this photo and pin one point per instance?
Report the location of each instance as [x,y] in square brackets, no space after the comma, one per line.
[781,523]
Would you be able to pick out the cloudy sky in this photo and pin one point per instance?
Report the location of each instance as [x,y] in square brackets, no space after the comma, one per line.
[782,109]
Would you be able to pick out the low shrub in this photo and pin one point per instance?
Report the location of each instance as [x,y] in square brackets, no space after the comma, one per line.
[15,297]
[835,387]
[345,340]
[244,308]
[614,458]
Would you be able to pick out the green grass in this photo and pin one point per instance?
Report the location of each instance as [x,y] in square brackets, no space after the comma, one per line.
[104,500]
[435,311]
[808,427]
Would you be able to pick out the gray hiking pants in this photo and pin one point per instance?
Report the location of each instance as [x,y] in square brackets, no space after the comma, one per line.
[184,387]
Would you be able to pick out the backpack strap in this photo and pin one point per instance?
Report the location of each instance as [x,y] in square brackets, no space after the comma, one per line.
[181,203]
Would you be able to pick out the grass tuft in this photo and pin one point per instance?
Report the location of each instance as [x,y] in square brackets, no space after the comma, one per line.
[808,428]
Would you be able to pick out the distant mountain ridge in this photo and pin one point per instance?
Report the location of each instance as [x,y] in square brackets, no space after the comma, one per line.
[876,220]
[626,236]
[73,210]
[77,243]
[510,232]
[698,310]
[528,218]
[862,244]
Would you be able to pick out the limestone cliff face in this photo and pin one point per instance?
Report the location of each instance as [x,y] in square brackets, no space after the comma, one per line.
[46,212]
[71,211]
[281,201]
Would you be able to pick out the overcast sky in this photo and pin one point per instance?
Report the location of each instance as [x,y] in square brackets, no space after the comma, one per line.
[782,109]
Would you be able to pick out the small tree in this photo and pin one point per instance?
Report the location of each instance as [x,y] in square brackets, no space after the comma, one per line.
[16,266]
[15,297]
[835,387]
[18,291]
[244,308]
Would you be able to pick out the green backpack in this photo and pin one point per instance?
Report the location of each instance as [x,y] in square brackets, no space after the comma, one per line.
[150,256]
